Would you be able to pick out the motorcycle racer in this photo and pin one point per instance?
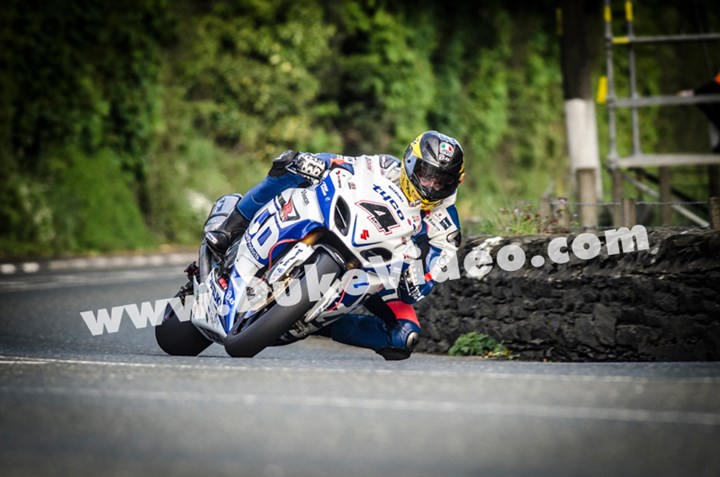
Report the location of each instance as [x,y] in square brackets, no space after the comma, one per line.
[429,173]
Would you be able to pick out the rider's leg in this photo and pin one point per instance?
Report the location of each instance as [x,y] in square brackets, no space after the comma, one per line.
[234,226]
[393,331]
[277,180]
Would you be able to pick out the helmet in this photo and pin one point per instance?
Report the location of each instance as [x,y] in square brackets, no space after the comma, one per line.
[432,168]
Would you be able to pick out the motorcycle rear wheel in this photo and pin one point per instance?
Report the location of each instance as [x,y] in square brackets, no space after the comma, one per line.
[277,319]
[179,338]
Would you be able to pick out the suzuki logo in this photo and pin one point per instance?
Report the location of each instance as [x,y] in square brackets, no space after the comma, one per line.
[364,235]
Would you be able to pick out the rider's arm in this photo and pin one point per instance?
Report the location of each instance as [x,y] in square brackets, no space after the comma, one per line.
[438,241]
[289,169]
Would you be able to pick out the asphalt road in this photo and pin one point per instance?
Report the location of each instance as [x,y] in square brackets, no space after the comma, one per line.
[76,404]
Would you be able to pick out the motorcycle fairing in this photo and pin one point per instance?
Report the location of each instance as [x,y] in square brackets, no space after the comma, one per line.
[287,219]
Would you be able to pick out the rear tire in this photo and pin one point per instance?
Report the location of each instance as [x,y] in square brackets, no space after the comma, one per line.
[179,338]
[278,319]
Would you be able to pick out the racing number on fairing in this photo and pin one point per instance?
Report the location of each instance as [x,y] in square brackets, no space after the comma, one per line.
[380,215]
[263,239]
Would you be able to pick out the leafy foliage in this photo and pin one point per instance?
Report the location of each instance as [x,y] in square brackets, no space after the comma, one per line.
[133,110]
[82,82]
[251,84]
[87,217]
[478,344]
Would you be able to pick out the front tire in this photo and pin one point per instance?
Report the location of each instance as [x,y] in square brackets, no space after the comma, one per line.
[278,319]
[179,338]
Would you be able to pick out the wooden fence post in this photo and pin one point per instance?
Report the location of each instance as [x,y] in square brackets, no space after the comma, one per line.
[618,193]
[545,210]
[629,213]
[665,197]
[587,195]
[562,211]
[714,205]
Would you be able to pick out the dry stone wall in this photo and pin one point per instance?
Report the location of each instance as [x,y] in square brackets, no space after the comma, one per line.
[658,304]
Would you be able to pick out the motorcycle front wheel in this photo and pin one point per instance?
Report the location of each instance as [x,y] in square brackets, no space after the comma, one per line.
[277,319]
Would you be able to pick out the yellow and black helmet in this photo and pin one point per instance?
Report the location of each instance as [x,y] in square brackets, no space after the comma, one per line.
[432,168]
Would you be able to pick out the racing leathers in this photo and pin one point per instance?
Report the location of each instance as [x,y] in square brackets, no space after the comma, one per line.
[393,328]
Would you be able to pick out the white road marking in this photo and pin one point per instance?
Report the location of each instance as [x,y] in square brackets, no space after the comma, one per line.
[99,263]
[79,263]
[10,361]
[402,405]
[30,267]
[394,405]
[180,259]
[388,372]
[139,261]
[49,282]
[7,268]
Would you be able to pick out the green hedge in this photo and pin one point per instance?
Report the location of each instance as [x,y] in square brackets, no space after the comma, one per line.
[121,121]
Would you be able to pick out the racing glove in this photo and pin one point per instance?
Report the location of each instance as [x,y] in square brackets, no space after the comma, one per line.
[413,287]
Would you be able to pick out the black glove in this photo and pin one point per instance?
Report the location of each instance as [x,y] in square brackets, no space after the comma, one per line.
[281,163]
[411,282]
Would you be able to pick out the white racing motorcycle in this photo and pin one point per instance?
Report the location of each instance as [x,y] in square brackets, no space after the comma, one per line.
[307,257]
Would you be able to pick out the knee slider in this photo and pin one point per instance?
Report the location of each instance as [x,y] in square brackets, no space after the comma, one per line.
[404,337]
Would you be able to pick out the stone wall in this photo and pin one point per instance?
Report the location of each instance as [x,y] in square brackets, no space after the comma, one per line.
[658,304]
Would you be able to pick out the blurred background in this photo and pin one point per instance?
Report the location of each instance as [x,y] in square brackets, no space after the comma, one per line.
[121,122]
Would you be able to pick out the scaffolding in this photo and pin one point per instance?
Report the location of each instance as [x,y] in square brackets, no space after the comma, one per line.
[638,159]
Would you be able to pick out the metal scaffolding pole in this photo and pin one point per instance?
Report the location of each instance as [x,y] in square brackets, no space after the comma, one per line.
[607,94]
[612,133]
[635,101]
[633,79]
[666,101]
[625,40]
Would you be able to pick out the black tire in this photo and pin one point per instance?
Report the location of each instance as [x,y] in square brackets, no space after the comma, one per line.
[278,319]
[179,338]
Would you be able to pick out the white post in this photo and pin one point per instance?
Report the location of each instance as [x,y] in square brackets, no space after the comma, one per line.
[584,152]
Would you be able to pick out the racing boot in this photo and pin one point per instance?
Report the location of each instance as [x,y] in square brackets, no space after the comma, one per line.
[368,331]
[234,226]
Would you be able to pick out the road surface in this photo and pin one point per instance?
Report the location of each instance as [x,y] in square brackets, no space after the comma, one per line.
[72,403]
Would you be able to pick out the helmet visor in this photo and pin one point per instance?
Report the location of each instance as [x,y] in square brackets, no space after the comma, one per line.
[432,182]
